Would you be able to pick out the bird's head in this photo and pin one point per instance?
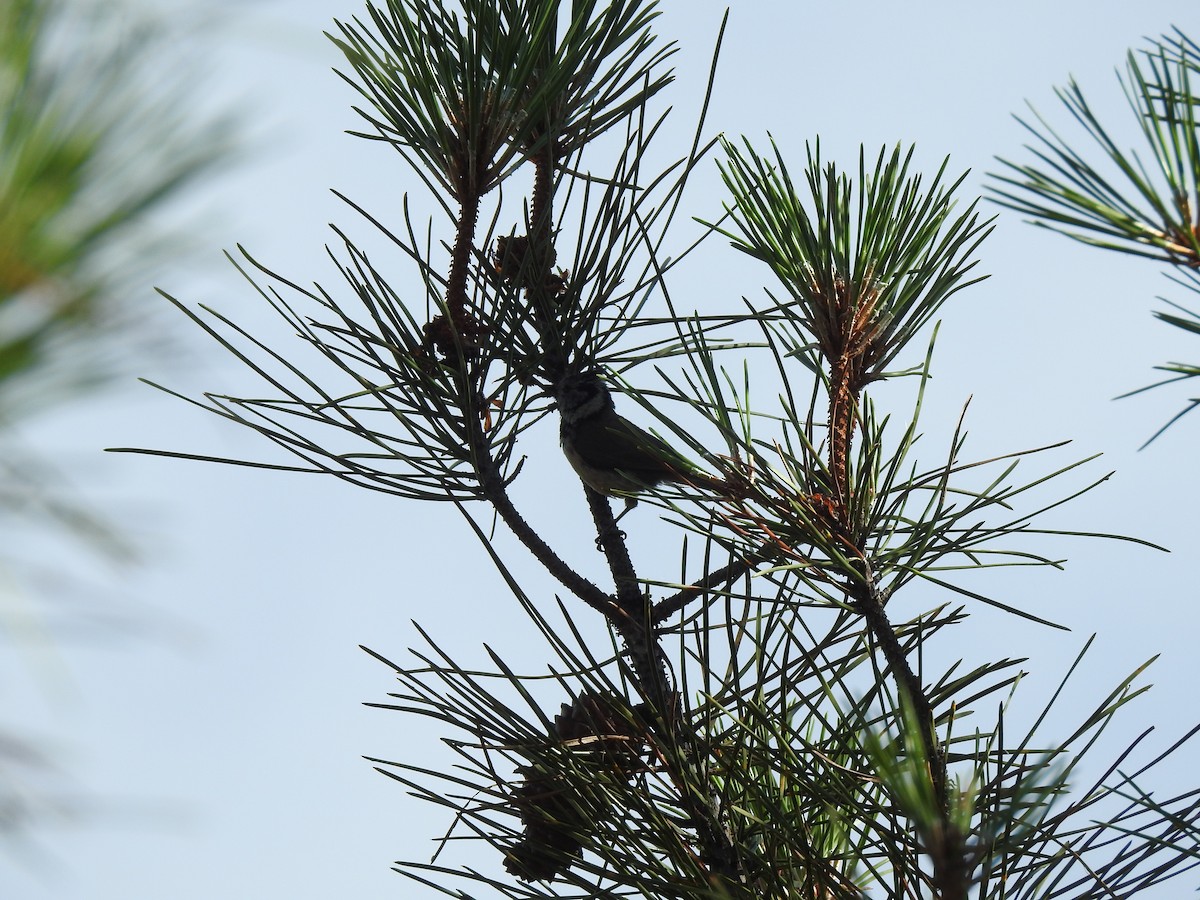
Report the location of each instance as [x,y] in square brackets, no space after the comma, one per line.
[581,396]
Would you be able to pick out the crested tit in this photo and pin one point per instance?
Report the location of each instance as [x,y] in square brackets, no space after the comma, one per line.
[610,454]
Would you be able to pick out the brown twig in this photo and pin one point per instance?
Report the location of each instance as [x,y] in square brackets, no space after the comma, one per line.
[538,294]
[649,665]
[716,579]
[847,352]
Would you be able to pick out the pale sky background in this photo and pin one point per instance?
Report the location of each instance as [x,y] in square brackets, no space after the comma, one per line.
[219,744]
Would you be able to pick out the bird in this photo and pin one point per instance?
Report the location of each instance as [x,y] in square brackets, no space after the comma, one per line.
[610,454]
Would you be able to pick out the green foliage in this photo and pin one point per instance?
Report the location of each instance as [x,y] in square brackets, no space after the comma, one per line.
[1126,205]
[474,98]
[88,151]
[1144,211]
[891,248]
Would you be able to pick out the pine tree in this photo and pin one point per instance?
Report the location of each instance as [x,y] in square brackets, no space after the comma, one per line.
[758,718]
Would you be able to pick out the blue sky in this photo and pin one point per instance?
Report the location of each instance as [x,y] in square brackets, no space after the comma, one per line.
[222,743]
